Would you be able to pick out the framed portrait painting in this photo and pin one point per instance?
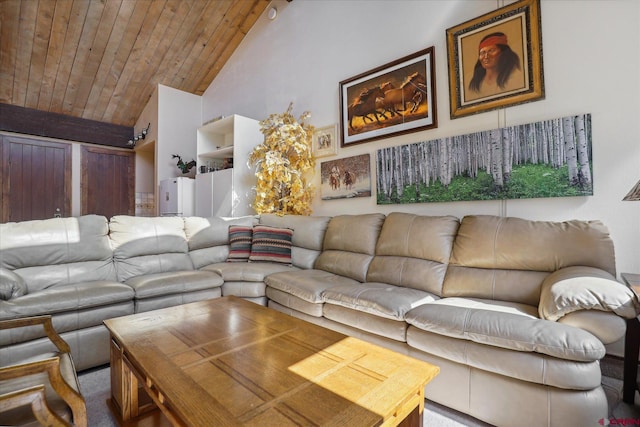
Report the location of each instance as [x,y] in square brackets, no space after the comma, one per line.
[398,97]
[495,60]
[325,141]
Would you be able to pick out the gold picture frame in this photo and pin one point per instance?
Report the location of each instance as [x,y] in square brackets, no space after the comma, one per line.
[325,141]
[495,60]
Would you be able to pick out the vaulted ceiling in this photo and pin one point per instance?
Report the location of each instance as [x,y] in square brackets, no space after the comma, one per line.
[102,59]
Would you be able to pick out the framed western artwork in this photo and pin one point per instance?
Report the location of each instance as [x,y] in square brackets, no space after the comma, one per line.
[495,60]
[325,141]
[395,98]
[346,178]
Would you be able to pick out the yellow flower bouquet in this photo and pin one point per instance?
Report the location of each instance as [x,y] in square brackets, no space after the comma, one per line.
[282,163]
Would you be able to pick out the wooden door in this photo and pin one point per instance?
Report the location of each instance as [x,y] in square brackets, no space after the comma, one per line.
[35,179]
[108,182]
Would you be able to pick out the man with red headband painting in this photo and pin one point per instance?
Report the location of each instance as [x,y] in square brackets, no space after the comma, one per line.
[497,70]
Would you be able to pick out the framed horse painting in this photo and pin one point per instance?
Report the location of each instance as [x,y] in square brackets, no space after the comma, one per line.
[395,98]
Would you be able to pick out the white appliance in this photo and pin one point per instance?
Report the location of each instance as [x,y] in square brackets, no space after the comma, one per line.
[177,197]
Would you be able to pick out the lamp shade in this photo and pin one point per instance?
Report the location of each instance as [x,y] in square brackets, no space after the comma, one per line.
[634,194]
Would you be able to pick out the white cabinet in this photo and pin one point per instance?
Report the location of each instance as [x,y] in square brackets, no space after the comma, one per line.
[214,195]
[226,192]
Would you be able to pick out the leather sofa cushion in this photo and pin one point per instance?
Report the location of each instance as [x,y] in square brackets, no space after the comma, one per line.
[380,299]
[349,245]
[244,289]
[66,298]
[11,285]
[509,243]
[39,278]
[153,285]
[510,255]
[285,300]
[413,251]
[247,271]
[54,241]
[133,236]
[516,286]
[308,231]
[163,301]
[510,326]
[417,236]
[67,321]
[204,233]
[385,327]
[306,284]
[604,325]
[130,268]
[527,366]
[353,233]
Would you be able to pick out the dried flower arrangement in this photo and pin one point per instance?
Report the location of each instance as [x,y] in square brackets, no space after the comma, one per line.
[282,162]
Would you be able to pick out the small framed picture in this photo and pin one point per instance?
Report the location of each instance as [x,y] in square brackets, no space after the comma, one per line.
[346,178]
[325,141]
[495,60]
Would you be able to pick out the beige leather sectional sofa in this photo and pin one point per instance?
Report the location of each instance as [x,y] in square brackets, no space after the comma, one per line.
[515,313]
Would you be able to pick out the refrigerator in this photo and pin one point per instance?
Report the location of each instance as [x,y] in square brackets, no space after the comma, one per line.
[177,197]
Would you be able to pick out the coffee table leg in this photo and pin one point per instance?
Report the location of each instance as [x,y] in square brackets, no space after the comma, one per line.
[124,386]
[414,419]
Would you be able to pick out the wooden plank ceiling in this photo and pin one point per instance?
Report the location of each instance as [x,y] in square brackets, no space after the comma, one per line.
[102,59]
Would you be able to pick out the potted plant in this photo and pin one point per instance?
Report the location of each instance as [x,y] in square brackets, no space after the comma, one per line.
[282,163]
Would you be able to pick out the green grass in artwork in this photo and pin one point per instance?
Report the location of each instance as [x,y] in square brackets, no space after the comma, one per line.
[525,181]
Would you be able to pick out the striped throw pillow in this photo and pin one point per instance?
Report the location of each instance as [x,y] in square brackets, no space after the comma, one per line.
[271,244]
[240,237]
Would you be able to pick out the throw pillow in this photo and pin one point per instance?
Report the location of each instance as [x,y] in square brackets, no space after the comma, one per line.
[271,244]
[11,285]
[240,237]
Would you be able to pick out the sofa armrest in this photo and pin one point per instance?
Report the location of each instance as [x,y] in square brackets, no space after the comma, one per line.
[585,288]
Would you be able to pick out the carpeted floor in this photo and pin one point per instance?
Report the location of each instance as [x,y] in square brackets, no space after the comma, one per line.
[95,386]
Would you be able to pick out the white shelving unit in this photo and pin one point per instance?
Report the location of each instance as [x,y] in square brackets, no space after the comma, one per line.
[225,193]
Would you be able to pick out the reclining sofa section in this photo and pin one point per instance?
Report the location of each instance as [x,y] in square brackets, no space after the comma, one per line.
[516,313]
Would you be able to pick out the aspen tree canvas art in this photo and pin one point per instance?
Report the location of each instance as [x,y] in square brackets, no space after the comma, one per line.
[544,159]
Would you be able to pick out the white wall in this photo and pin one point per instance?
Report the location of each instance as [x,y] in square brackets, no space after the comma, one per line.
[591,55]
[179,117]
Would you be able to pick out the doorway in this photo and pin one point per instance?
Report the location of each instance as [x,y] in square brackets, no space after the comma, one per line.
[108,182]
[35,180]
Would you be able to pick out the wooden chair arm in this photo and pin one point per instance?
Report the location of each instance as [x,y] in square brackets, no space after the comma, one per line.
[35,397]
[46,323]
[52,368]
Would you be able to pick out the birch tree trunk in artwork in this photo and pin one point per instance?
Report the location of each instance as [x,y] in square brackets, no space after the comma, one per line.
[584,172]
[507,138]
[570,149]
[495,147]
[398,171]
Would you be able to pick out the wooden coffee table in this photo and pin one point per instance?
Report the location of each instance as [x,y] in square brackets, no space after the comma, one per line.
[227,361]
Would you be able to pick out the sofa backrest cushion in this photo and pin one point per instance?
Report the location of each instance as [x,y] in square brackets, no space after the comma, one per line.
[413,251]
[57,251]
[508,258]
[308,235]
[148,245]
[349,245]
[208,238]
